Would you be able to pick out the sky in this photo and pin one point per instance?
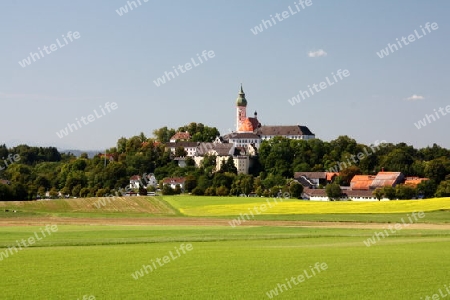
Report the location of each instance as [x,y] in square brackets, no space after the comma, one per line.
[104,75]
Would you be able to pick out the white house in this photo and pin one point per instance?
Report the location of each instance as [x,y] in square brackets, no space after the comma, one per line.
[174,181]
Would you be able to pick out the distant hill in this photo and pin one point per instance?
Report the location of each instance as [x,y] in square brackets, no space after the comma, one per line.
[77,153]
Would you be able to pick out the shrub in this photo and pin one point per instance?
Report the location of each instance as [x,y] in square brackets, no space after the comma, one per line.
[222,191]
[198,191]
[210,191]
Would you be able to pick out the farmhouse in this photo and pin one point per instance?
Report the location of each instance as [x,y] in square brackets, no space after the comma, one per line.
[174,181]
[361,187]
[347,194]
[314,179]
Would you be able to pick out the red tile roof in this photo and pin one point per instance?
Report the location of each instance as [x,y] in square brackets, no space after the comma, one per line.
[174,180]
[361,182]
[255,123]
[183,136]
[331,175]
[414,181]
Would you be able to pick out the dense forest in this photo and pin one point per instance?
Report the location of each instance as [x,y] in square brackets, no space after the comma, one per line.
[27,173]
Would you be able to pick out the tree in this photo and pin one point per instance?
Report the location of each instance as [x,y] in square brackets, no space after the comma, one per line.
[142,137]
[399,160]
[389,192]
[163,134]
[198,191]
[76,190]
[177,190]
[53,193]
[333,191]
[228,166]
[101,193]
[405,192]
[210,191]
[223,179]
[443,189]
[276,156]
[378,193]
[275,191]
[190,162]
[347,174]
[427,188]
[84,192]
[245,183]
[209,161]
[180,152]
[273,180]
[190,183]
[222,191]
[168,190]
[437,169]
[19,192]
[296,189]
[5,192]
[259,191]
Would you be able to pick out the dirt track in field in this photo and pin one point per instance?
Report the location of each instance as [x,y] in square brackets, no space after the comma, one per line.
[180,221]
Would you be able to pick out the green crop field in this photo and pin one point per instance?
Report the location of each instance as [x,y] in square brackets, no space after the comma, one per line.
[219,261]
[224,263]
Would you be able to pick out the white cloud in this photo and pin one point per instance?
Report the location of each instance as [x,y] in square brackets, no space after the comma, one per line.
[415,97]
[317,53]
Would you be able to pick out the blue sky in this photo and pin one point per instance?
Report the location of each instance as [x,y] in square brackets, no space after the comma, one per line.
[117,58]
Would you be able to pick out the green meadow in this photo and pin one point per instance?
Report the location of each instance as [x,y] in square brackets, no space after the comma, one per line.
[244,262]
[225,263]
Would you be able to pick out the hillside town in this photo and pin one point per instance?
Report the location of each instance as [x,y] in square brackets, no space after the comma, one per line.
[241,148]
[253,160]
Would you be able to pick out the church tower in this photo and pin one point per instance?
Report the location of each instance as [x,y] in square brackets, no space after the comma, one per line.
[241,110]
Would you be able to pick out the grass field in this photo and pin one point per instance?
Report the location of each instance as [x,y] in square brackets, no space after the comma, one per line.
[245,262]
[242,263]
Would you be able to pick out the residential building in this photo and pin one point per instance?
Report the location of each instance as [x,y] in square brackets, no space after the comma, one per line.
[136,181]
[180,136]
[314,179]
[189,147]
[174,181]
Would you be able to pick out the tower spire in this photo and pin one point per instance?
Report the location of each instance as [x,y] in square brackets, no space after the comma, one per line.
[241,110]
[241,101]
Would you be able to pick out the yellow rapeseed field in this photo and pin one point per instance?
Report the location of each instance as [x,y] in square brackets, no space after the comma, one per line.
[268,206]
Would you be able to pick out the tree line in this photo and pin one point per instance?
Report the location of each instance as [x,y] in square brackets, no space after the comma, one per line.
[42,170]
